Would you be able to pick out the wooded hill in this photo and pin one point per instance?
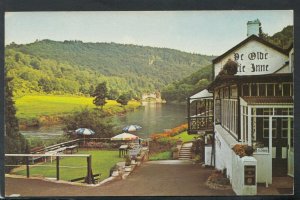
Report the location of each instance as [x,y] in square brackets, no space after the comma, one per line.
[75,67]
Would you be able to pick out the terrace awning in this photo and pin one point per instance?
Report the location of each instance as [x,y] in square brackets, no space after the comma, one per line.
[257,100]
[204,94]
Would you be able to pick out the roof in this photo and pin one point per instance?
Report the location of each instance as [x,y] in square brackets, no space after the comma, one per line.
[203,94]
[259,100]
[264,78]
[252,37]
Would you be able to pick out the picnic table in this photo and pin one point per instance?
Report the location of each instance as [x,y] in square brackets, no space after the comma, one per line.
[123,150]
[71,148]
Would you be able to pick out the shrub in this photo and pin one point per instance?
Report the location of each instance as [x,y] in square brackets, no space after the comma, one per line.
[242,150]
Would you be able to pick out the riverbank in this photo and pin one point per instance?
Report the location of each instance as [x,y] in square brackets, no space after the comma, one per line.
[45,110]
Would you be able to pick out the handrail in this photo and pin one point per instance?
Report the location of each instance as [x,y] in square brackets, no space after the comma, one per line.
[88,156]
[47,155]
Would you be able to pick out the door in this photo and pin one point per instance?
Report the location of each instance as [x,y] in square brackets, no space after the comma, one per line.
[291,147]
[280,146]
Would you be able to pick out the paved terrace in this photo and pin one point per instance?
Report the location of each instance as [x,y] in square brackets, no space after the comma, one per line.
[153,178]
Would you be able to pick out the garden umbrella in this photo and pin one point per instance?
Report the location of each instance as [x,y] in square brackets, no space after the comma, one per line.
[132,128]
[125,137]
[84,132]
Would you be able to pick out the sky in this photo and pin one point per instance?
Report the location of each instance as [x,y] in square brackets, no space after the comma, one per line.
[203,32]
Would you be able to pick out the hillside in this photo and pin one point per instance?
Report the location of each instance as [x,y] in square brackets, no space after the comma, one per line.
[74,67]
[180,90]
[283,38]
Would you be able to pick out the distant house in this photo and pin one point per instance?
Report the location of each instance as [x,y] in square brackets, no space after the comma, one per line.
[250,101]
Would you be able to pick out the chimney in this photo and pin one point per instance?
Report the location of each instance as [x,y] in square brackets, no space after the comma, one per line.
[253,28]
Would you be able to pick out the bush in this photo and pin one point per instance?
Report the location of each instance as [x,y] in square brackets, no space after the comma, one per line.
[243,150]
[92,119]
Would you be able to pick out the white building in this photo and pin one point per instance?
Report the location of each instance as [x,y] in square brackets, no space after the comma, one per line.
[252,95]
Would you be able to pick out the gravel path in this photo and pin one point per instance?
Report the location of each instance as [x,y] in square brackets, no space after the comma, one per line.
[150,179]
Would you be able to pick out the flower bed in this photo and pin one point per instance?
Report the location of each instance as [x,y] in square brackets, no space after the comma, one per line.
[217,180]
[170,133]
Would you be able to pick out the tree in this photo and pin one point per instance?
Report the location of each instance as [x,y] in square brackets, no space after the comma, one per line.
[123,99]
[14,141]
[100,95]
[113,94]
[94,119]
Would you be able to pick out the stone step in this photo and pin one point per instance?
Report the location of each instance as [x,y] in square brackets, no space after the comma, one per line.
[185,148]
[186,151]
[184,158]
[181,153]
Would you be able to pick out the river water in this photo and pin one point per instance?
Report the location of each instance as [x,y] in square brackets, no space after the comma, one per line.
[153,117]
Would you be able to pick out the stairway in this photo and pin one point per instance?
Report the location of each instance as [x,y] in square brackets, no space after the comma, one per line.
[185,151]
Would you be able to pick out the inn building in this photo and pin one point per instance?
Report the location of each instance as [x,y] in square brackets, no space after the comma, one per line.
[250,101]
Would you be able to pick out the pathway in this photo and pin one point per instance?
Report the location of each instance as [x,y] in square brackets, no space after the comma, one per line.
[153,178]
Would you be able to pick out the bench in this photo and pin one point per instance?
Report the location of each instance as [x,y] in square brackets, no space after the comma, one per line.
[95,177]
[71,148]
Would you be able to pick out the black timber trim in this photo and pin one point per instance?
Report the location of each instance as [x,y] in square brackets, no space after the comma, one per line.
[252,37]
[230,79]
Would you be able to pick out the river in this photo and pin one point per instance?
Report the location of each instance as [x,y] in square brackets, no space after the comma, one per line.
[153,117]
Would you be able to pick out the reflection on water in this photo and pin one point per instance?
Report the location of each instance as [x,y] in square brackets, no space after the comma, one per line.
[44,132]
[153,117]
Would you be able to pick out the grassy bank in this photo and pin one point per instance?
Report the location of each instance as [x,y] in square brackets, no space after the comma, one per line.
[73,167]
[49,109]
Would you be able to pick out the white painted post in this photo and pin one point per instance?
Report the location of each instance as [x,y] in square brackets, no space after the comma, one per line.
[249,126]
[242,125]
[270,144]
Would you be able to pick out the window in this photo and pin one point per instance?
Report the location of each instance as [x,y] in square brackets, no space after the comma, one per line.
[269,111]
[270,89]
[233,91]
[284,127]
[229,116]
[221,93]
[226,92]
[286,89]
[266,127]
[262,89]
[292,132]
[246,90]
[253,89]
[217,94]
[278,90]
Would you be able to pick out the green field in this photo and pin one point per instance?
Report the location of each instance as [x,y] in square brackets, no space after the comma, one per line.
[29,107]
[76,167]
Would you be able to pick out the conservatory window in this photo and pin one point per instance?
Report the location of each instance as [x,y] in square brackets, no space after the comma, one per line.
[262,90]
[253,90]
[246,90]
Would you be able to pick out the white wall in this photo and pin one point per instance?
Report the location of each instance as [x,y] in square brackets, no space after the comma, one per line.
[264,167]
[223,155]
[208,160]
[274,59]
[238,178]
